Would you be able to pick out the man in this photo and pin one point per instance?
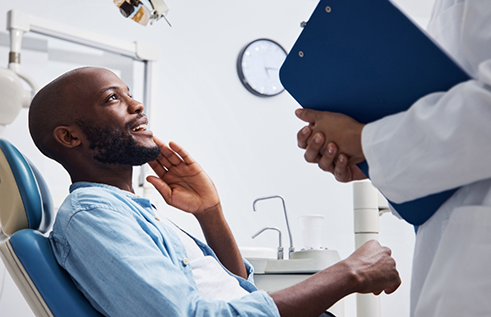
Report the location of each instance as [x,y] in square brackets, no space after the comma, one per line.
[126,261]
[441,142]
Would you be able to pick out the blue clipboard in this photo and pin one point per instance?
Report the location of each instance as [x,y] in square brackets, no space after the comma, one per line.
[368,60]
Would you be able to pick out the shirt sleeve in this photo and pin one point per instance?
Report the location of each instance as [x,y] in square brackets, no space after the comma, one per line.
[440,143]
[123,271]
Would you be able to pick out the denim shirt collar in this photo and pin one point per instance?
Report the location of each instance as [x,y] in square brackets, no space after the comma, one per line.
[78,185]
[141,200]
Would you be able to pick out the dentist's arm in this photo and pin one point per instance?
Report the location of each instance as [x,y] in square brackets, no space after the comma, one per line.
[183,183]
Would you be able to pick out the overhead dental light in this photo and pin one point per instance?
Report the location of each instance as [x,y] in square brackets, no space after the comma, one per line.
[140,13]
[12,92]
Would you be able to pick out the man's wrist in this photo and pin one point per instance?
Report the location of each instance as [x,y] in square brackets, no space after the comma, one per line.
[209,214]
[351,278]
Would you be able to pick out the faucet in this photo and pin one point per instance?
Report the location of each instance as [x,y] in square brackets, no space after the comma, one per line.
[280,247]
[291,249]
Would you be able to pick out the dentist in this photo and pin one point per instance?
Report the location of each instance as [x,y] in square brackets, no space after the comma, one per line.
[441,142]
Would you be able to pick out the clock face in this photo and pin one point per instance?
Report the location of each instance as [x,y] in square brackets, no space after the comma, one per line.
[259,65]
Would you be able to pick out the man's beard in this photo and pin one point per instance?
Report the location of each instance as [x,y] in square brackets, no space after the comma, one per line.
[116,147]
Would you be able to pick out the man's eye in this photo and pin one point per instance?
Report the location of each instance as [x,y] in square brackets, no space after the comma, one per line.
[112,97]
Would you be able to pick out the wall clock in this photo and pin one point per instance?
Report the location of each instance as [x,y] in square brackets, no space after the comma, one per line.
[258,67]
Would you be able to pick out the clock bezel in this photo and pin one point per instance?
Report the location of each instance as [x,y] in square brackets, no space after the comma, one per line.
[240,72]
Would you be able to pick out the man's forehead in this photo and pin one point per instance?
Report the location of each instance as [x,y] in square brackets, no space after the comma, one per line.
[93,80]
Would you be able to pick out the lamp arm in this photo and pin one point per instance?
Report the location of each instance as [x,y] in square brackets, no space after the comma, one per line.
[14,56]
[27,78]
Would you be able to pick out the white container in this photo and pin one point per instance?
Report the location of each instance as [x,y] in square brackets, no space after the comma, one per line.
[311,228]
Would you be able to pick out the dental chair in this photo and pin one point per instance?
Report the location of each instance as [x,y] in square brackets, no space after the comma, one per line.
[26,214]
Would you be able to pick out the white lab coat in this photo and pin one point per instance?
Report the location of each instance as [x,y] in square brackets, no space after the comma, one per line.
[444,141]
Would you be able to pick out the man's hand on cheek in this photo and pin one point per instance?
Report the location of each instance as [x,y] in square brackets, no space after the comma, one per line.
[181,181]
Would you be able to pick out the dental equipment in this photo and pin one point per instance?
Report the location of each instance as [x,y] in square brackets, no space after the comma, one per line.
[291,249]
[280,246]
[366,211]
[26,215]
[138,12]
[272,275]
[14,95]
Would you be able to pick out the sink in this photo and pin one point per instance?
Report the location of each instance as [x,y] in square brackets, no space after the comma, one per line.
[304,261]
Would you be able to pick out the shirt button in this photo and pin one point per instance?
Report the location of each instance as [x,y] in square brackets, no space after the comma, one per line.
[156,218]
[185,261]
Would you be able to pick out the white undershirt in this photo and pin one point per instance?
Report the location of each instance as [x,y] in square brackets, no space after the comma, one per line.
[212,280]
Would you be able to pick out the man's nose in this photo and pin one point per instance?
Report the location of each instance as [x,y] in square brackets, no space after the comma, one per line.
[135,106]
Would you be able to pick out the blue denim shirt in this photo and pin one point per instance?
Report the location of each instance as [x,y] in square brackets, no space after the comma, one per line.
[129,264]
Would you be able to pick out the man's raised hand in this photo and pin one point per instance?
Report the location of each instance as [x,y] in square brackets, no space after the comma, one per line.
[181,181]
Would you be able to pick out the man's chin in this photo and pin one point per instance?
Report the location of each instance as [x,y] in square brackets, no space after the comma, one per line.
[153,153]
[133,156]
[146,154]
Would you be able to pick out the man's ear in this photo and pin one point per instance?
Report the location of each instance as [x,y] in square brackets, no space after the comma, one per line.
[67,136]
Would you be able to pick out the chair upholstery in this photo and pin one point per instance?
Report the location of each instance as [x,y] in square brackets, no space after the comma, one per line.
[26,214]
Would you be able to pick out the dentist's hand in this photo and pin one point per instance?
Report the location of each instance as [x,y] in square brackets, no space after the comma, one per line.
[329,160]
[324,152]
[182,182]
[337,128]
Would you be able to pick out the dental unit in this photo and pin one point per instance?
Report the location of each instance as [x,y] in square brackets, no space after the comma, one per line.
[275,274]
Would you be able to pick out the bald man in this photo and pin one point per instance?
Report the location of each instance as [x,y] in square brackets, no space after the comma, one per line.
[125,260]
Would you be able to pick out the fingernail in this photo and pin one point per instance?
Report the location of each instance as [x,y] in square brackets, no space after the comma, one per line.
[299,111]
[341,159]
[305,130]
[317,139]
[330,149]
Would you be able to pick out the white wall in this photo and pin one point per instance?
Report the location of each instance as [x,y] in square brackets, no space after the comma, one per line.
[246,144]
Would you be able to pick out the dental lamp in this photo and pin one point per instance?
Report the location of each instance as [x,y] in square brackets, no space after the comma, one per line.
[140,13]
[14,96]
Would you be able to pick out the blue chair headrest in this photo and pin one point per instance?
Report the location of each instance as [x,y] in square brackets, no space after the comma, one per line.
[26,200]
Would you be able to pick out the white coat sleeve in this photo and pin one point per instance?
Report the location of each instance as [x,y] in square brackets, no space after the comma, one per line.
[441,142]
